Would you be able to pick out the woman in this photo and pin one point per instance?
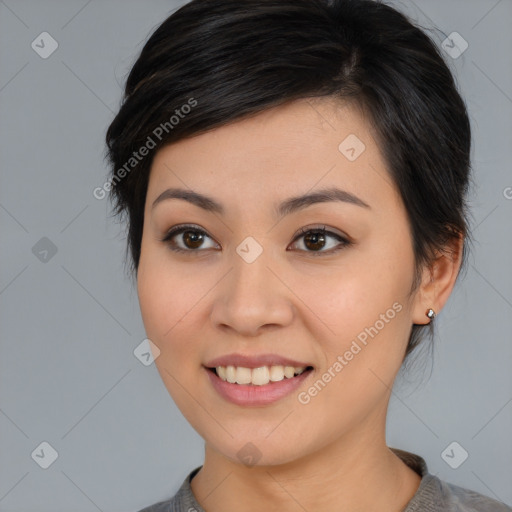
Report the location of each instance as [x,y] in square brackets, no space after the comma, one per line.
[293,174]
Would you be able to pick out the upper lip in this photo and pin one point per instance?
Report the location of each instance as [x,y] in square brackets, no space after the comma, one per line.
[255,361]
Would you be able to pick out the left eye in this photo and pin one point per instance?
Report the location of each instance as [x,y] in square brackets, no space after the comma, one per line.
[316,241]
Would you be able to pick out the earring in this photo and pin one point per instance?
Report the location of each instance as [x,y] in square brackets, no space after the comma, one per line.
[430,313]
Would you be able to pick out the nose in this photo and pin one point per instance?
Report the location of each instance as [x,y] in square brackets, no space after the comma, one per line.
[252,298]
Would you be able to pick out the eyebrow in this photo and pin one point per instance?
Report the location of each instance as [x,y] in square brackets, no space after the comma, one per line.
[287,207]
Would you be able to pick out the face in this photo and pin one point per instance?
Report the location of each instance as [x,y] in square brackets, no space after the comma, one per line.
[322,283]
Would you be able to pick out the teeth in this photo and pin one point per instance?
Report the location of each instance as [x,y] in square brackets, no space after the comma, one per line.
[221,372]
[276,373]
[289,372]
[243,375]
[257,376]
[260,376]
[231,374]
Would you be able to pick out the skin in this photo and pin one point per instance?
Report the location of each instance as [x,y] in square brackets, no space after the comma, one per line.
[331,453]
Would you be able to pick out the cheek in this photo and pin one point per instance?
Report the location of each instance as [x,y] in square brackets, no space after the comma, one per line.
[167,299]
[166,291]
[363,348]
[352,297]
[173,299]
[361,312]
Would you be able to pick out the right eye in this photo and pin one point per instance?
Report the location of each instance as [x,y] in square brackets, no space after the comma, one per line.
[186,238]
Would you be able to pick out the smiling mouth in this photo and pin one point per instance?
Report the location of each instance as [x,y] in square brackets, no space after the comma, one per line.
[260,376]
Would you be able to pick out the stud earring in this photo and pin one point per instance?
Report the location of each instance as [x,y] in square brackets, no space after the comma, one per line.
[430,313]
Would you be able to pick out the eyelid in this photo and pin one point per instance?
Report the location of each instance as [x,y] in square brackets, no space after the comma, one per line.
[180,228]
[321,227]
[343,239]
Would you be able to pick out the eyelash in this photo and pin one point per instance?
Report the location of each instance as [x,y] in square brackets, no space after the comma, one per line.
[177,230]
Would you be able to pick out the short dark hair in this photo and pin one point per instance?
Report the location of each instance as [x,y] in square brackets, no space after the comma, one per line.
[229,59]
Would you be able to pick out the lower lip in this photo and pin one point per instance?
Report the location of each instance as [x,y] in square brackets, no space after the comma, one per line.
[249,394]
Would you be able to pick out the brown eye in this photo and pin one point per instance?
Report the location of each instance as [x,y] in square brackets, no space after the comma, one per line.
[314,241]
[318,239]
[192,239]
[188,239]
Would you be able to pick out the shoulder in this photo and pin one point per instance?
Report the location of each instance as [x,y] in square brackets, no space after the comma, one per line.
[182,501]
[162,506]
[460,499]
[435,495]
[175,504]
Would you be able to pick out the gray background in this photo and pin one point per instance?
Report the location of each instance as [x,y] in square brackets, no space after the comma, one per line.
[69,325]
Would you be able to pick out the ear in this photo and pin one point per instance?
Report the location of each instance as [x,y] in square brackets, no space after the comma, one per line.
[437,280]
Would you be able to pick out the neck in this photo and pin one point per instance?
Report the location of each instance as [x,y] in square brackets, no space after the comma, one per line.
[356,472]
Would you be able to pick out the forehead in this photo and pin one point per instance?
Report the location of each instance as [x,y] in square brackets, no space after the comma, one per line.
[284,151]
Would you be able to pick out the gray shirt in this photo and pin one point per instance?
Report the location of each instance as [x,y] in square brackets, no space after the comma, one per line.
[433,494]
